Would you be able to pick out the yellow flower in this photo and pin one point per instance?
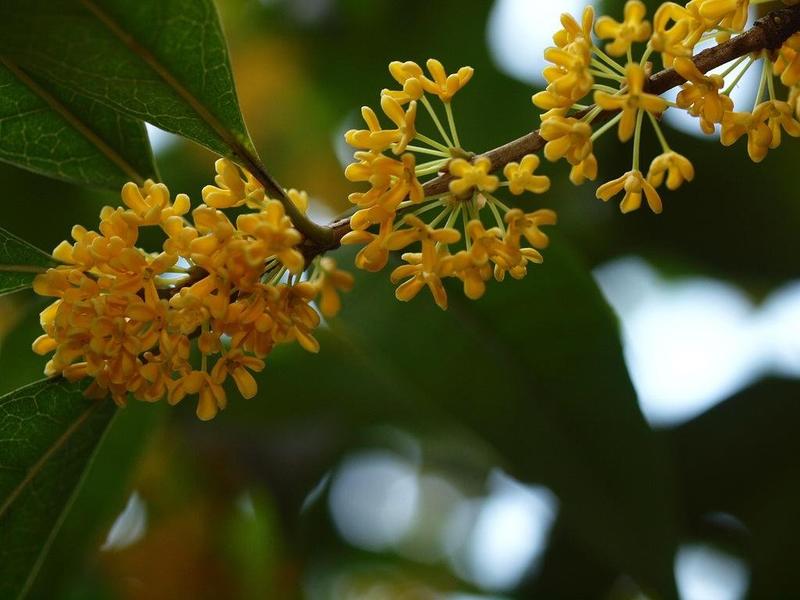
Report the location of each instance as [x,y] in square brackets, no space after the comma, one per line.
[759,134]
[151,204]
[586,169]
[521,178]
[120,224]
[678,169]
[409,75]
[212,395]
[794,100]
[427,267]
[528,225]
[631,102]
[443,85]
[573,31]
[294,318]
[727,14]
[676,30]
[374,255]
[373,138]
[420,231]
[274,236]
[424,269]
[787,64]
[231,187]
[238,365]
[331,281]
[403,71]
[299,198]
[390,180]
[701,95]
[126,318]
[566,137]
[473,275]
[632,29]
[404,120]
[634,183]
[569,79]
[487,244]
[781,116]
[470,176]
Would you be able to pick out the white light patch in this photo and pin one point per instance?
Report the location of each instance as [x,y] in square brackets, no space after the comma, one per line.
[509,535]
[160,140]
[519,31]
[129,527]
[427,540]
[373,499]
[705,573]
[779,327]
[691,343]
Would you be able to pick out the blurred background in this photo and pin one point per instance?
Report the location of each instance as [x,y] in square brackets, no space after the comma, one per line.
[404,461]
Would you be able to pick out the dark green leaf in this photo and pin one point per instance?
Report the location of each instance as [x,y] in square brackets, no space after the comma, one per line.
[20,263]
[534,368]
[56,133]
[162,61]
[742,457]
[101,498]
[48,433]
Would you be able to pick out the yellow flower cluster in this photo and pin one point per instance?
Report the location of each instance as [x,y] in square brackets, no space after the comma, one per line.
[492,233]
[233,290]
[580,69]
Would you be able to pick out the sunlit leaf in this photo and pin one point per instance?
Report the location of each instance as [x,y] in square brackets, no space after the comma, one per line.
[162,61]
[20,263]
[48,433]
[59,134]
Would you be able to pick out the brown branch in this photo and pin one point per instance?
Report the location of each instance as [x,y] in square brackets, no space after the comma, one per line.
[768,33]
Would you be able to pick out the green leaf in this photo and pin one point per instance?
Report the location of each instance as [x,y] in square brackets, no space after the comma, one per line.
[48,433]
[162,61]
[742,458]
[20,263]
[534,369]
[56,133]
[102,497]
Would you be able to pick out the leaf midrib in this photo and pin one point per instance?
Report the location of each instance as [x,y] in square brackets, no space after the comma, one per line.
[74,122]
[152,61]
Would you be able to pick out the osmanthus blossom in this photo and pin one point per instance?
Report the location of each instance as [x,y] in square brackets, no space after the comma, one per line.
[127,318]
[230,289]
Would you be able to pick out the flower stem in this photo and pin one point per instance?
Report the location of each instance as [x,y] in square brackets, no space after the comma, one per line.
[659,133]
[637,140]
[427,104]
[452,122]
[597,134]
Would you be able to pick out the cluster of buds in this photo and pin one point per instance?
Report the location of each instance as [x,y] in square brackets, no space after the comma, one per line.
[232,290]
[581,68]
[452,236]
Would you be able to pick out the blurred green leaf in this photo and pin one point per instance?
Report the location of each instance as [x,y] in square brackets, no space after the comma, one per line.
[162,61]
[59,134]
[19,263]
[742,458]
[48,434]
[534,368]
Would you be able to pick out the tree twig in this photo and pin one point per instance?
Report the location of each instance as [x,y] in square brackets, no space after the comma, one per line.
[768,33]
